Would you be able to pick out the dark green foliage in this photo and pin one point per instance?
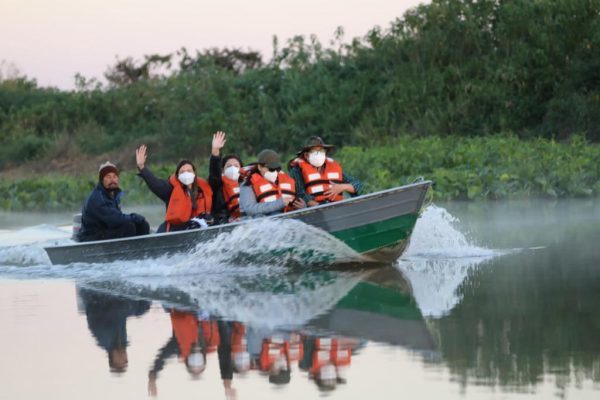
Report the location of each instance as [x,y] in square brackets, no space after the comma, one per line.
[496,167]
[451,67]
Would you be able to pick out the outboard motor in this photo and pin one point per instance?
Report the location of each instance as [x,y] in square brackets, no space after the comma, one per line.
[76,226]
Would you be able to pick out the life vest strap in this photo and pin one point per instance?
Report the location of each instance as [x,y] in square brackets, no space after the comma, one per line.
[267,194]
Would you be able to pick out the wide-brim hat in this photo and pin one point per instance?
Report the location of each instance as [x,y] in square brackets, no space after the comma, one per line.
[105,169]
[269,159]
[316,141]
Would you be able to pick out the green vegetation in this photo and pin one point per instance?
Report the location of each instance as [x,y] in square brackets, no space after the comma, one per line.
[497,167]
[416,93]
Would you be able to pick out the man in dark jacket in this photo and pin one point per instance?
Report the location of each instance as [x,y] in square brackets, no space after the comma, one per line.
[101,215]
[107,320]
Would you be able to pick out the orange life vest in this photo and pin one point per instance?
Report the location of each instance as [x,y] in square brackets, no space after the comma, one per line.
[332,351]
[210,334]
[272,349]
[316,183]
[180,210]
[238,338]
[321,354]
[186,328]
[231,194]
[341,353]
[266,191]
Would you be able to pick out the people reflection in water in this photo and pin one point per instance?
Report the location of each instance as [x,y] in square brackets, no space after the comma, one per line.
[194,336]
[107,321]
[326,359]
[273,353]
[241,349]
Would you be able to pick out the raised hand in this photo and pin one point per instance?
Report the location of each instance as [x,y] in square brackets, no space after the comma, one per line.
[218,142]
[140,156]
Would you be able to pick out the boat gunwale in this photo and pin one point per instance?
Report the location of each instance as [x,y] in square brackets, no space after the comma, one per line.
[233,225]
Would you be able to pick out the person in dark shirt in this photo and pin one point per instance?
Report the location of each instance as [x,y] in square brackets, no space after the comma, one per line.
[224,176]
[107,321]
[102,217]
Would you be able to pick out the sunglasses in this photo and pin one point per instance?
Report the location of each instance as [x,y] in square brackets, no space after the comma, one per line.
[272,169]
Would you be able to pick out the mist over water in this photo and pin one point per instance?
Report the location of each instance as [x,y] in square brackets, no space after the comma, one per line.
[493,296]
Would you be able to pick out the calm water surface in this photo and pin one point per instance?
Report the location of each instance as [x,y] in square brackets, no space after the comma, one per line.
[492,300]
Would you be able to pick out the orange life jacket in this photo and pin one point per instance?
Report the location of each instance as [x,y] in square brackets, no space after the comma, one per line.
[272,349]
[333,351]
[321,354]
[341,353]
[210,334]
[180,210]
[186,328]
[266,191]
[231,194]
[238,338]
[316,183]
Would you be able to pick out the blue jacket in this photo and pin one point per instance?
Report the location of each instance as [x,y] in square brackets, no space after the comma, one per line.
[101,213]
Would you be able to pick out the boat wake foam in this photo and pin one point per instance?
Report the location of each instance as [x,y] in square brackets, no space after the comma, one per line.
[270,243]
[257,297]
[273,243]
[439,259]
[436,236]
[24,247]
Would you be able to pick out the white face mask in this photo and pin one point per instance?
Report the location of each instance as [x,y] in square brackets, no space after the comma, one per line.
[316,158]
[241,361]
[281,364]
[186,178]
[328,373]
[196,360]
[232,172]
[271,176]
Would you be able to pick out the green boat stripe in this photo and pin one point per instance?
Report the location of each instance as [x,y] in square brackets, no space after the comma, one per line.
[380,300]
[379,234]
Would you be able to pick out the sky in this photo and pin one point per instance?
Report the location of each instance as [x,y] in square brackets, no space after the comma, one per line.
[52,40]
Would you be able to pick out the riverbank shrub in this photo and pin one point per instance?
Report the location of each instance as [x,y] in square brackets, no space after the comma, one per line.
[496,167]
[447,68]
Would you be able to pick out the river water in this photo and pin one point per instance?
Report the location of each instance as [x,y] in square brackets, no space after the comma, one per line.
[491,301]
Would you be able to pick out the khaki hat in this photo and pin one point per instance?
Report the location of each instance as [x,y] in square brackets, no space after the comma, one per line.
[269,159]
[316,141]
[105,169]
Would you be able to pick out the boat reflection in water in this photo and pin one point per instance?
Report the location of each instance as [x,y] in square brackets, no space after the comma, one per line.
[269,326]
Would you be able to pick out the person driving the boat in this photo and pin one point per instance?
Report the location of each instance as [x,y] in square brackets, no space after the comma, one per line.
[223,177]
[188,197]
[101,216]
[319,178]
[267,190]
